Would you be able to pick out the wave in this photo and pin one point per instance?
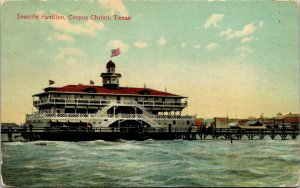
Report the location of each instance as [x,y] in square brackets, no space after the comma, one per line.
[19,143]
[246,173]
[288,158]
[150,163]
[99,142]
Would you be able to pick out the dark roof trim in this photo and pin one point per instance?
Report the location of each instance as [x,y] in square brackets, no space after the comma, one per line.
[108,94]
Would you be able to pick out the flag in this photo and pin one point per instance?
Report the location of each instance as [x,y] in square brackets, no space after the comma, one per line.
[115,52]
[92,82]
[51,82]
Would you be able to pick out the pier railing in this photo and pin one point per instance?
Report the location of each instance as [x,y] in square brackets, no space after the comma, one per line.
[150,129]
[104,102]
[81,116]
[94,129]
[139,132]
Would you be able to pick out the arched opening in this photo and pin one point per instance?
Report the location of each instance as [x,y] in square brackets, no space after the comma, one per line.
[131,125]
[124,110]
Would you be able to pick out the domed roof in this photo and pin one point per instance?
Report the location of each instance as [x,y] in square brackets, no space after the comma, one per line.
[110,64]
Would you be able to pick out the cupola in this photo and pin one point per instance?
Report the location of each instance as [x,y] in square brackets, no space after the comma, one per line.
[110,67]
[110,79]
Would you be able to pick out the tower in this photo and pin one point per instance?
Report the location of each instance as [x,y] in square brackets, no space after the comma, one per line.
[110,79]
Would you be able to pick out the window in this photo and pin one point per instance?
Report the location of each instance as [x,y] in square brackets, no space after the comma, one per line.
[90,90]
[174,122]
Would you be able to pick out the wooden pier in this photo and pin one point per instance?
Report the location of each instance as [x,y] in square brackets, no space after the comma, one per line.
[250,134]
[133,133]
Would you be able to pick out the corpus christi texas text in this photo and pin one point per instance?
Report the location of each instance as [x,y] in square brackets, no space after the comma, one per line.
[71,17]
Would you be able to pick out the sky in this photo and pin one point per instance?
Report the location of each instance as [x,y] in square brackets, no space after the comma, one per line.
[230,58]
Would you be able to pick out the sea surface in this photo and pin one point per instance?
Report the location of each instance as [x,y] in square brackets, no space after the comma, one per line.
[151,163]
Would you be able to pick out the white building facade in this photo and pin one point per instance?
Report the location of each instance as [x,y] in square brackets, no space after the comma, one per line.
[108,105]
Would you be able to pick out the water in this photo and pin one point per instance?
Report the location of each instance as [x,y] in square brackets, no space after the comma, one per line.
[151,163]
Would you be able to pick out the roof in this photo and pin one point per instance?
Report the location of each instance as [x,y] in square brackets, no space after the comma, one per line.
[102,90]
[290,118]
[110,74]
[110,64]
[221,119]
[199,122]
[252,127]
[233,124]
[253,122]
[9,125]
[242,121]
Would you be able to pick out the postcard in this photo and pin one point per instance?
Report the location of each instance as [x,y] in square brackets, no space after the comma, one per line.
[136,93]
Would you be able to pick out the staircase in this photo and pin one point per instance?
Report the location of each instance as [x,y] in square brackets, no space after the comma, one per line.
[142,117]
[109,121]
[145,112]
[146,116]
[103,111]
[150,121]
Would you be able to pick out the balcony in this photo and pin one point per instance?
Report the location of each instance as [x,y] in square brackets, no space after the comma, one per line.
[79,116]
[103,102]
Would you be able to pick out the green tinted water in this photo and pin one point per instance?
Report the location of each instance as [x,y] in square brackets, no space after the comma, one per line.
[152,163]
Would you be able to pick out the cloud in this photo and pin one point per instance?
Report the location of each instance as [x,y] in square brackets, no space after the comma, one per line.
[95,26]
[215,0]
[261,24]
[295,1]
[68,53]
[74,63]
[140,44]
[115,6]
[197,46]
[247,30]
[140,16]
[212,46]
[89,28]
[118,44]
[69,57]
[162,41]
[60,37]
[213,20]
[285,0]
[183,45]
[248,39]
[243,51]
